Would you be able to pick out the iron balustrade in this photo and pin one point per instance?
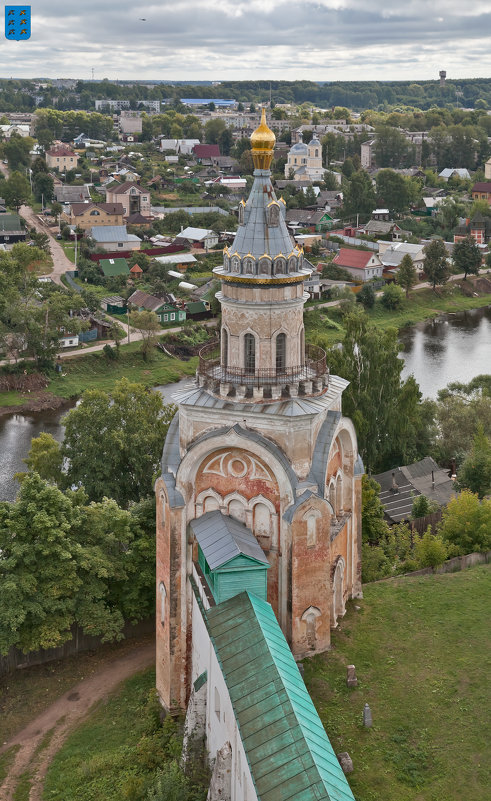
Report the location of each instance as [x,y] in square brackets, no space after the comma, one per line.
[210,367]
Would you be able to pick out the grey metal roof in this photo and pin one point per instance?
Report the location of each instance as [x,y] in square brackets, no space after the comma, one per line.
[112,233]
[413,480]
[288,407]
[255,236]
[171,454]
[290,512]
[322,447]
[175,498]
[359,467]
[221,538]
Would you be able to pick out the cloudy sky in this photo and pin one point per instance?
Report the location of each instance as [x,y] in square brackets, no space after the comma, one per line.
[250,39]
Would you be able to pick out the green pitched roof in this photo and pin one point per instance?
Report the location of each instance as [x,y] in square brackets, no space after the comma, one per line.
[288,751]
[10,222]
[114,267]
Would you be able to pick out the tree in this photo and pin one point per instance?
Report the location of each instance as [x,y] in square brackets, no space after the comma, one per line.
[436,263]
[407,276]
[359,196]
[65,561]
[56,209]
[475,472]
[460,409]
[366,296]
[422,506]
[17,190]
[330,181]
[43,187]
[373,525]
[466,523]
[113,443]
[45,458]
[17,151]
[147,324]
[213,129]
[392,148]
[393,190]
[226,141]
[467,256]
[387,412]
[392,297]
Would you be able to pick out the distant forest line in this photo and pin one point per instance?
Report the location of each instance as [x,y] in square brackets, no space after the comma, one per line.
[356,95]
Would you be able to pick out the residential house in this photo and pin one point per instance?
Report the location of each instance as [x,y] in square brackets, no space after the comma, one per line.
[68,341]
[181,260]
[481,191]
[165,311]
[367,154]
[458,172]
[112,267]
[130,124]
[378,228]
[133,198]
[197,237]
[363,265]
[62,158]
[90,215]
[114,237]
[317,220]
[399,487]
[71,194]
[479,227]
[197,310]
[11,229]
[204,154]
[391,255]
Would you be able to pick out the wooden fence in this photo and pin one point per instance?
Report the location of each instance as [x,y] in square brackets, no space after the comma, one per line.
[15,659]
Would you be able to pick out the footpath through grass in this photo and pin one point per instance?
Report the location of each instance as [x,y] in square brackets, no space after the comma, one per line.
[421,647]
[96,371]
[28,692]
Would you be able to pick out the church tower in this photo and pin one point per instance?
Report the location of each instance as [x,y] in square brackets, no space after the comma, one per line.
[259,446]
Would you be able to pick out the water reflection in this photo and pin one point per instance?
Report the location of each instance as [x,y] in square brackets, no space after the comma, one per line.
[456,348]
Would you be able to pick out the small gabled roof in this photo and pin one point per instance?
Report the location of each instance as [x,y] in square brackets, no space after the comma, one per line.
[206,151]
[221,538]
[124,189]
[482,186]
[348,257]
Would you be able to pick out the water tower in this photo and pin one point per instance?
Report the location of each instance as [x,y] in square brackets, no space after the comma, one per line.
[443,76]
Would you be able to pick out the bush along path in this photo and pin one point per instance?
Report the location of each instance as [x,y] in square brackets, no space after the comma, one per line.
[38,742]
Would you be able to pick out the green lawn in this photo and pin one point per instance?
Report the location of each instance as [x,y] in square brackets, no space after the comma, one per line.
[68,248]
[421,648]
[117,752]
[11,398]
[95,371]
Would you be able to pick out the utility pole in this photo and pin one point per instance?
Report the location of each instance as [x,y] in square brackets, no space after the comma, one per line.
[128,316]
[75,249]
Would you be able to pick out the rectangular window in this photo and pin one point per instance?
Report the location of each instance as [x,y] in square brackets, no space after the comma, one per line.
[120,244]
[173,316]
[166,318]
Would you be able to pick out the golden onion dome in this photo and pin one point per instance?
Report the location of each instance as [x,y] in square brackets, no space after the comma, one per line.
[262,144]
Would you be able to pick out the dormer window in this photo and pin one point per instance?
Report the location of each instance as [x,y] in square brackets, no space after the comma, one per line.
[273,214]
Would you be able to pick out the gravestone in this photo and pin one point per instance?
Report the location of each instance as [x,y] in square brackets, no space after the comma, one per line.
[367,716]
[346,762]
[351,680]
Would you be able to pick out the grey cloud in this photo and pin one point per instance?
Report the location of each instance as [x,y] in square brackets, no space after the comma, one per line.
[202,39]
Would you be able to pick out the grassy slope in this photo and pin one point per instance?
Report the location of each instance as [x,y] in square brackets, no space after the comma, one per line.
[95,371]
[419,646]
[99,757]
[43,684]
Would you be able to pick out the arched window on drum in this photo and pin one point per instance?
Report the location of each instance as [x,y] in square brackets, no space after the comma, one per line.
[281,351]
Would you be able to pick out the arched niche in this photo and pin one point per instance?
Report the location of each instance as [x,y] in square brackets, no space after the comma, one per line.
[338,608]
[310,618]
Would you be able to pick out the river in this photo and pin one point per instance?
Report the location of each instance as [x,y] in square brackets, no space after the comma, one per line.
[454,348]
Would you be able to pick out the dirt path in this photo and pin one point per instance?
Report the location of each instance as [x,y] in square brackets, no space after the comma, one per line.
[62,716]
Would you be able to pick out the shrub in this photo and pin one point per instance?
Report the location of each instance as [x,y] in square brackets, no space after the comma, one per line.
[392,297]
[430,550]
[366,296]
[375,564]
[422,506]
[109,352]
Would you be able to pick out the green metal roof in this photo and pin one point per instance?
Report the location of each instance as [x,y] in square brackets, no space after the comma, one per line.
[114,267]
[288,751]
[10,222]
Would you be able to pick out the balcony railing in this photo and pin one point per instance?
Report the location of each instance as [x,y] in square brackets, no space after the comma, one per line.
[210,367]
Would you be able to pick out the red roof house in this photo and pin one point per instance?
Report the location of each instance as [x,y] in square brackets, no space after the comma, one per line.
[136,271]
[206,152]
[361,264]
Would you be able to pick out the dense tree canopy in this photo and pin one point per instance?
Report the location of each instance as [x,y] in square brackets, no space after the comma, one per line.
[113,443]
